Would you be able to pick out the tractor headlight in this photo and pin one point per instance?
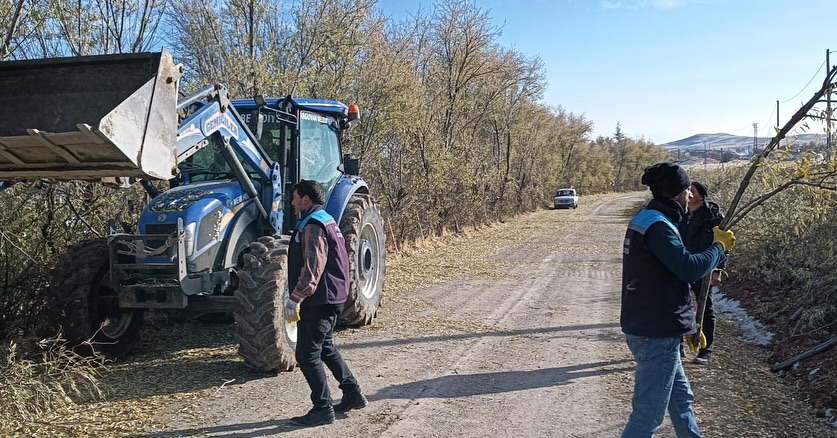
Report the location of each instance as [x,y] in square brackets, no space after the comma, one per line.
[189,238]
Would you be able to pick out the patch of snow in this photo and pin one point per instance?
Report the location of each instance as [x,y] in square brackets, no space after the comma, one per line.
[753,332]
[831,417]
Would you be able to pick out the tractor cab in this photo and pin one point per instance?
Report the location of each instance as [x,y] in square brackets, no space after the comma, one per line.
[303,136]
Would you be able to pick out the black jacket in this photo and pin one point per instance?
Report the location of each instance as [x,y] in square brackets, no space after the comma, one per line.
[696,229]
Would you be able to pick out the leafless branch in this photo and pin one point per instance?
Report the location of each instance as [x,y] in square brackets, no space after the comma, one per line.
[759,159]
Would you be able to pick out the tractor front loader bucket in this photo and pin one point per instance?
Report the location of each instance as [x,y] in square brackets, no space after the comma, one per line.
[89,118]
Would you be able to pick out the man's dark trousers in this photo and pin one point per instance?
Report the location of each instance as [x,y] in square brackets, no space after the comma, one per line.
[315,346]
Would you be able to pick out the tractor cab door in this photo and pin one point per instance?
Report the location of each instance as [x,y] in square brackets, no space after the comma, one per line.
[314,156]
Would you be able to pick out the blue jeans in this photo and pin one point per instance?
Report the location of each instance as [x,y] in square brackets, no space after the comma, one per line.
[660,383]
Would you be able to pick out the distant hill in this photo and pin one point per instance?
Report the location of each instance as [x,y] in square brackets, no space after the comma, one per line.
[738,143]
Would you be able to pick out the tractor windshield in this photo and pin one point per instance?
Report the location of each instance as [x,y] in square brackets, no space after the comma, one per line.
[319,149]
[208,164]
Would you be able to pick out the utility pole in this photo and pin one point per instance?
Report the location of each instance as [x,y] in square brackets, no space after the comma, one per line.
[705,153]
[755,138]
[828,109]
[777,114]
[775,130]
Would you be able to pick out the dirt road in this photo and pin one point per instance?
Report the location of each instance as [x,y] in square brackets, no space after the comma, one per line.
[522,338]
[508,331]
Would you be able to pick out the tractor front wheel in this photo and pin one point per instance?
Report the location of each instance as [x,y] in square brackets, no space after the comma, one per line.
[266,341]
[82,303]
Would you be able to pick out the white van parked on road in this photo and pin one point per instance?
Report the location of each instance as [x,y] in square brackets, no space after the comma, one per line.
[566,198]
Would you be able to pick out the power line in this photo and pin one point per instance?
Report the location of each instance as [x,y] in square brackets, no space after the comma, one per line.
[806,85]
[748,127]
[769,118]
[774,108]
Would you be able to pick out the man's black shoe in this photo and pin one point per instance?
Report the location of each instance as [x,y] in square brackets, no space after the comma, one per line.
[355,400]
[703,357]
[315,417]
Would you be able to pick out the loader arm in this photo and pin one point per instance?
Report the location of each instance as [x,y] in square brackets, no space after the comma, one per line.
[217,125]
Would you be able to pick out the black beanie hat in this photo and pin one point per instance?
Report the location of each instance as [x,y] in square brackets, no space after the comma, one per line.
[666,180]
[700,188]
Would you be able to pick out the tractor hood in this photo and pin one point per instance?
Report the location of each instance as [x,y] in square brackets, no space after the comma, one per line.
[210,194]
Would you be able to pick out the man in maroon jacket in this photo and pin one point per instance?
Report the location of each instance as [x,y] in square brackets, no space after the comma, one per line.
[318,280]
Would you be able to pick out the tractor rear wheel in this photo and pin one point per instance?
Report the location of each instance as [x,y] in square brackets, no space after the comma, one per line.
[363,229]
[82,303]
[266,341]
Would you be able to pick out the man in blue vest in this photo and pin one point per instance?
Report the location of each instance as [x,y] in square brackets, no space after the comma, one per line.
[318,281]
[657,308]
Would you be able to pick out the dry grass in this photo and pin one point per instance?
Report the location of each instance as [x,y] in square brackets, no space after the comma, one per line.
[177,363]
[41,378]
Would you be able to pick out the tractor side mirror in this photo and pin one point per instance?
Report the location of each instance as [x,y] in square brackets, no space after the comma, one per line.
[259,126]
[260,102]
[351,165]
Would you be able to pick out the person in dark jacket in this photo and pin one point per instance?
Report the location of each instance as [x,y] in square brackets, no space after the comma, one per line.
[657,308]
[318,281]
[703,215]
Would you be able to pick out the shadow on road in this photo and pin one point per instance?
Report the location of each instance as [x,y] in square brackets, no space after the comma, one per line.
[170,371]
[167,372]
[465,385]
[240,430]
[451,386]
[481,334]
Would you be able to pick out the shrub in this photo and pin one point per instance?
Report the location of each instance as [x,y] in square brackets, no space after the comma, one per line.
[787,243]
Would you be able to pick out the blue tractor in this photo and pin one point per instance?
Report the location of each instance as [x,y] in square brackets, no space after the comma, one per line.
[216,239]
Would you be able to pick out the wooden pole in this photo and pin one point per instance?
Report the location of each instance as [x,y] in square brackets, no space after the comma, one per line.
[804,355]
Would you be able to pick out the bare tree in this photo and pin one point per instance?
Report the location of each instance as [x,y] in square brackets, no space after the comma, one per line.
[19,22]
[92,27]
[230,42]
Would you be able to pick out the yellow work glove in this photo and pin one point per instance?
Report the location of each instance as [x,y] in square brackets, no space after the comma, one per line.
[291,311]
[696,341]
[725,237]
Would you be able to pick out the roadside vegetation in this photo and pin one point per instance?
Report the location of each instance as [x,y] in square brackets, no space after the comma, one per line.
[38,373]
[42,378]
[787,245]
[783,272]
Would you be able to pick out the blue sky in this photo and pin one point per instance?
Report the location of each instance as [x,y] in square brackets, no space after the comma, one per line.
[669,69]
